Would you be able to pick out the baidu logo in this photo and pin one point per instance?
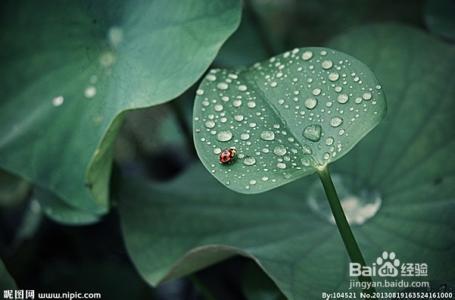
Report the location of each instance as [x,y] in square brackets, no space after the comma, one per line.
[388,265]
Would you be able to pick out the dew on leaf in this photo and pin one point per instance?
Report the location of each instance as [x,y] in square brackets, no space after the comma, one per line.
[249,161]
[334,76]
[244,136]
[343,98]
[222,86]
[327,64]
[211,77]
[242,88]
[336,121]
[90,92]
[313,132]
[57,101]
[366,96]
[316,91]
[210,124]
[224,136]
[281,165]
[267,135]
[279,150]
[311,103]
[307,55]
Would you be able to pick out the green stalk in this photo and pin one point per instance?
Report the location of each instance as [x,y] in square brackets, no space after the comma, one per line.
[342,223]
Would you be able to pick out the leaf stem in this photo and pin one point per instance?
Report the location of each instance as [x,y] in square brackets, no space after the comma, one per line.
[343,226]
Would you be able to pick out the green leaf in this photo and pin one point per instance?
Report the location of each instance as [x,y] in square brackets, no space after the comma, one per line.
[440,17]
[285,116]
[70,68]
[397,188]
[6,281]
[62,212]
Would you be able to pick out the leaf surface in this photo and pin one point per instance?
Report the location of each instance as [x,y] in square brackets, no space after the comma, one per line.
[71,68]
[285,117]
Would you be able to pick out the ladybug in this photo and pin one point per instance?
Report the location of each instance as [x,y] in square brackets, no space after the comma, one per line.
[228,156]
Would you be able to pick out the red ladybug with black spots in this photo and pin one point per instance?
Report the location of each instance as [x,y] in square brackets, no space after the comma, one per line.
[228,156]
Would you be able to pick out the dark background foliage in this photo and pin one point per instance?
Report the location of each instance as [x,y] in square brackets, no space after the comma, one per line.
[156,143]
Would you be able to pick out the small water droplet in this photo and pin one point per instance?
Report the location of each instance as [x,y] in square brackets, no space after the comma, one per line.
[336,121]
[90,92]
[218,107]
[307,55]
[311,103]
[273,84]
[279,150]
[238,118]
[237,103]
[366,96]
[211,77]
[199,92]
[242,88]
[249,161]
[217,150]
[343,98]
[57,101]
[251,104]
[329,141]
[313,132]
[244,136]
[281,165]
[267,135]
[316,91]
[224,136]
[222,86]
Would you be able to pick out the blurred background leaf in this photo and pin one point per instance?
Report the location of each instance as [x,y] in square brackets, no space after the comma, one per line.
[440,18]
[6,282]
[70,68]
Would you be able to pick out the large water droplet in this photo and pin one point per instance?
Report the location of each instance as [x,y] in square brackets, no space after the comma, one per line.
[366,96]
[267,135]
[333,76]
[249,161]
[279,150]
[218,107]
[224,136]
[307,55]
[336,121]
[242,88]
[313,132]
[316,91]
[222,86]
[281,165]
[311,103]
[343,98]
[210,124]
[211,77]
[238,118]
[327,64]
